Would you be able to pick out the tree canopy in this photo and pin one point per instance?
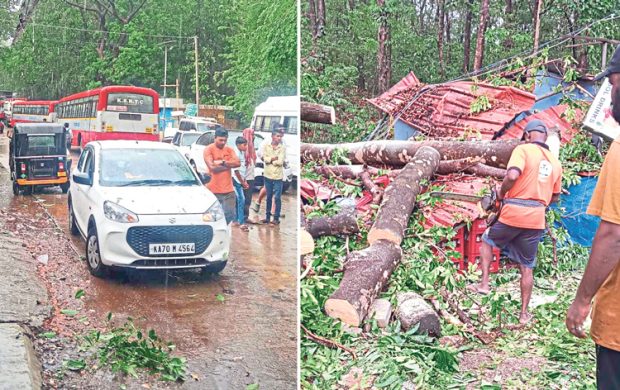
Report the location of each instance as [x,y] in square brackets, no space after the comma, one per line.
[246,49]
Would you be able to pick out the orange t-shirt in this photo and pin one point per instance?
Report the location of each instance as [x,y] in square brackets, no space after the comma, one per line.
[541,177]
[221,182]
[605,203]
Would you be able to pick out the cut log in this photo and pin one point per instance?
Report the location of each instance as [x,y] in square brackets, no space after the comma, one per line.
[342,223]
[351,171]
[413,310]
[307,242]
[366,272]
[317,113]
[466,165]
[400,196]
[399,153]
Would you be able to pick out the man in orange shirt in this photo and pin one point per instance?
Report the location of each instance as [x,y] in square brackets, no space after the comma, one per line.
[601,279]
[220,160]
[533,181]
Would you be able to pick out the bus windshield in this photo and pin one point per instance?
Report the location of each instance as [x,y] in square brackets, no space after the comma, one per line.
[130,102]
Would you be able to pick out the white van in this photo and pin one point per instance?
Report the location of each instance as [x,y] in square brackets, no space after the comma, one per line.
[280,111]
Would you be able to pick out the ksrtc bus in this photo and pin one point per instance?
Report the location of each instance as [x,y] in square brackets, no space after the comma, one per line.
[114,112]
[6,109]
[33,111]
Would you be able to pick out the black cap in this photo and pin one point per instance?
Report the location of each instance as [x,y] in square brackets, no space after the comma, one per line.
[534,125]
[612,67]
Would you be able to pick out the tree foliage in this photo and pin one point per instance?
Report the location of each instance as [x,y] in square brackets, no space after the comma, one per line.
[349,40]
[246,50]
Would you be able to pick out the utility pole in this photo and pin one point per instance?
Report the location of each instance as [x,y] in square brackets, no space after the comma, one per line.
[165,85]
[196,65]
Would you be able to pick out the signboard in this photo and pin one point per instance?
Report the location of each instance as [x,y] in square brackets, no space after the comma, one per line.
[598,119]
[191,109]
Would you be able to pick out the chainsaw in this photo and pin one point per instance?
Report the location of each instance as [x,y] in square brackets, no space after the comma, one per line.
[490,204]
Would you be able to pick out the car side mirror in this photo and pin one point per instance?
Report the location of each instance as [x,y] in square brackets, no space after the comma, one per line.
[204,178]
[82,178]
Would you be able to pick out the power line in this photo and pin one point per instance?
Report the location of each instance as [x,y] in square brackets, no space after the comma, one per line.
[108,32]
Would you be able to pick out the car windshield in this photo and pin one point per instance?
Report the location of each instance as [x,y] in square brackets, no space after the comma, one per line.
[204,127]
[144,167]
[189,139]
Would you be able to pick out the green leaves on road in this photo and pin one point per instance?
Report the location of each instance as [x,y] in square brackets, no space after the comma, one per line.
[79,294]
[69,312]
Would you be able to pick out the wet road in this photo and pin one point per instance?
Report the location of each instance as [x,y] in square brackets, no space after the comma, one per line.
[235,329]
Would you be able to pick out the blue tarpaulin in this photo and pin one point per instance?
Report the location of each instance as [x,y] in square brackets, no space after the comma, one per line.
[579,225]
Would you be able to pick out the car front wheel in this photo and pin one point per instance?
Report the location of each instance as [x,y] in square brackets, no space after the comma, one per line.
[93,255]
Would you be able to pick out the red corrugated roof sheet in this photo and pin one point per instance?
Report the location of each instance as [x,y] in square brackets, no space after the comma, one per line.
[451,212]
[553,117]
[444,110]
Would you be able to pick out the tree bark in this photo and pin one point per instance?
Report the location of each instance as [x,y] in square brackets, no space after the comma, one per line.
[484,16]
[466,165]
[399,153]
[384,66]
[440,34]
[317,113]
[371,186]
[312,19]
[448,28]
[320,18]
[537,9]
[366,272]
[467,36]
[400,196]
[508,7]
[341,223]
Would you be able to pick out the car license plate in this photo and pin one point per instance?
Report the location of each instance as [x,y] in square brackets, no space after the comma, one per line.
[172,249]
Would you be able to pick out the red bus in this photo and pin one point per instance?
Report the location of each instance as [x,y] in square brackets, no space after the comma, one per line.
[6,108]
[114,112]
[33,111]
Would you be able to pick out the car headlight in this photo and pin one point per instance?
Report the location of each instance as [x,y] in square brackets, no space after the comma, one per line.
[117,213]
[214,213]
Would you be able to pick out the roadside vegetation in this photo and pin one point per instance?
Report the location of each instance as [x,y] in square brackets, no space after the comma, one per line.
[247,50]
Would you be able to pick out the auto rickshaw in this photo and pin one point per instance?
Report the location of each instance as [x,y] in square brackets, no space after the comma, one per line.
[38,156]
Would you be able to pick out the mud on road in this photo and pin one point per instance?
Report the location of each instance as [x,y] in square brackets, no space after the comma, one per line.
[234,329]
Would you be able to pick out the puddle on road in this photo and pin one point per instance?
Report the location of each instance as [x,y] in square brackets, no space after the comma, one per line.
[248,337]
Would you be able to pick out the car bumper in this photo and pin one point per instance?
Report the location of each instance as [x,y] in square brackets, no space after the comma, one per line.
[116,250]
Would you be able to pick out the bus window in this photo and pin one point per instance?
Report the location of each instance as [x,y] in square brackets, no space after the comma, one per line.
[130,102]
[290,124]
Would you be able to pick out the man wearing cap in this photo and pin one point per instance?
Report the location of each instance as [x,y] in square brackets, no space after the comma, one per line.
[601,279]
[533,181]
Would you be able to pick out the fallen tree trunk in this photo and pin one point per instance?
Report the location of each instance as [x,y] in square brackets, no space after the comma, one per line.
[317,113]
[400,196]
[467,165]
[341,223]
[366,272]
[399,153]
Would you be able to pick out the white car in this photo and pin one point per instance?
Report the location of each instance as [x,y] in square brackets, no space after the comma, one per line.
[195,154]
[138,204]
[196,158]
[182,140]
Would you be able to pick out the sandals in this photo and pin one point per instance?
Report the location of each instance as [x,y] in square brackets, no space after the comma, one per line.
[244,227]
[255,207]
[275,222]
